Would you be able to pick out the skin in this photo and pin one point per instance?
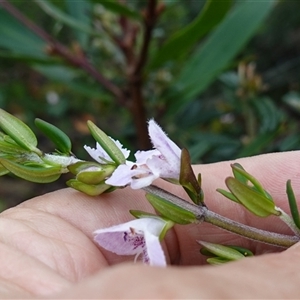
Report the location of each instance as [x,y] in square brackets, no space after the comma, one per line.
[47,248]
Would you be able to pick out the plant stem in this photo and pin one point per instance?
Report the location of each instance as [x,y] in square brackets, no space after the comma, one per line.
[136,80]
[202,213]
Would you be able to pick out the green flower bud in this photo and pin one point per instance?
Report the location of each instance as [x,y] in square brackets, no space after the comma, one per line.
[170,210]
[257,203]
[95,175]
[89,189]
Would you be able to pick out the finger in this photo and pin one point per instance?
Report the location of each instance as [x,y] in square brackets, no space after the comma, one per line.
[265,277]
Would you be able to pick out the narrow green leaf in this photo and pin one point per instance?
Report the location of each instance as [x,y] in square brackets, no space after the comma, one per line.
[18,39]
[3,170]
[228,195]
[293,203]
[170,210]
[30,173]
[220,48]
[239,176]
[61,16]
[106,143]
[237,170]
[26,57]
[57,136]
[183,40]
[8,148]
[268,113]
[18,131]
[120,9]
[246,252]
[81,11]
[252,200]
[216,261]
[141,214]
[222,251]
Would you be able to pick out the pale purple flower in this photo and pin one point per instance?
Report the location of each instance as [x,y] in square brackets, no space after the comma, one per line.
[139,237]
[163,162]
[101,156]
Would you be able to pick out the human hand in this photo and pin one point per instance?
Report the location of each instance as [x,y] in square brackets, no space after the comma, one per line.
[47,246]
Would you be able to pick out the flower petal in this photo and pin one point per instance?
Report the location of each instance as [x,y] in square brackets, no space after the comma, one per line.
[101,156]
[122,176]
[153,253]
[161,141]
[131,174]
[143,156]
[135,237]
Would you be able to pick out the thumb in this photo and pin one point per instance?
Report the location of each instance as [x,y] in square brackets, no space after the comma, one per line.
[267,276]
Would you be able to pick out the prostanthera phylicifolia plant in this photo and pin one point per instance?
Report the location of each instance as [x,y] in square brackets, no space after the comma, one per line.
[110,169]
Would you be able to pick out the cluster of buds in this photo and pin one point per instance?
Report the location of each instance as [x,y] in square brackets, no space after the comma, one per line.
[111,169]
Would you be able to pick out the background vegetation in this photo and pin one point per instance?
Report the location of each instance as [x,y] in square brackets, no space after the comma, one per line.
[221,77]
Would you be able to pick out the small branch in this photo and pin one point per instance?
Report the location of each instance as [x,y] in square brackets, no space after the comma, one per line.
[135,77]
[149,22]
[62,51]
[203,214]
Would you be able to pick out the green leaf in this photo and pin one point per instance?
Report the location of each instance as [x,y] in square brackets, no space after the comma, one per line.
[61,16]
[218,50]
[57,136]
[293,203]
[222,251]
[30,173]
[3,170]
[170,210]
[242,250]
[141,214]
[9,148]
[27,58]
[56,72]
[255,202]
[88,189]
[106,143]
[239,176]
[120,9]
[228,195]
[182,41]
[18,39]
[18,131]
[216,261]
[81,11]
[236,168]
[268,113]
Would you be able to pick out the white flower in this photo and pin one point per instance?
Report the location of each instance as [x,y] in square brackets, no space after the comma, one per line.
[137,237]
[163,162]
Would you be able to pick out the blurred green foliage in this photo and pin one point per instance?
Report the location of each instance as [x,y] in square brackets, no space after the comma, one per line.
[221,77]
